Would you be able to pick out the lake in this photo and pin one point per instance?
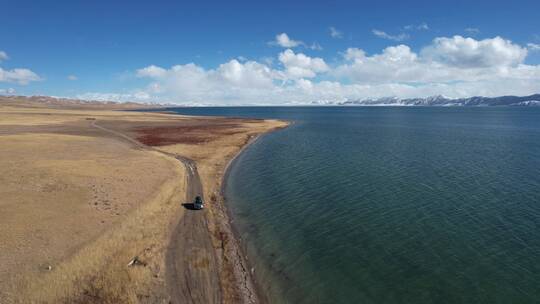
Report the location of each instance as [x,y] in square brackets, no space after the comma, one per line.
[391,204]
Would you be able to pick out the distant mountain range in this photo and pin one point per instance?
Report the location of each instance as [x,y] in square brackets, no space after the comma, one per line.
[532,100]
[441,101]
[60,102]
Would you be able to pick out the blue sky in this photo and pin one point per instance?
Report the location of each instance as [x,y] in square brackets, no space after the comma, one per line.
[100,50]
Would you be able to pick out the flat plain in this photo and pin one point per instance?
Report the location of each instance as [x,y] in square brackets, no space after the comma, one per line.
[87,189]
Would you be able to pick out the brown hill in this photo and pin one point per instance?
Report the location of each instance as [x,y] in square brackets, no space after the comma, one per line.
[67,103]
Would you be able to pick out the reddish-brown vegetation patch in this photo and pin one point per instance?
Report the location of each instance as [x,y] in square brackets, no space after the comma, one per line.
[186,134]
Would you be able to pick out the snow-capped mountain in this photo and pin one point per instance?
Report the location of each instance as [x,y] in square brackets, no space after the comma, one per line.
[532,100]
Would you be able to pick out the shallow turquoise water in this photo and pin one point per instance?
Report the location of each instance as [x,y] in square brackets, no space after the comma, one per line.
[392,205]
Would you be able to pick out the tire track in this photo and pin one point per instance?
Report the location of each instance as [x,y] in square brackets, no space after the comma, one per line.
[191,265]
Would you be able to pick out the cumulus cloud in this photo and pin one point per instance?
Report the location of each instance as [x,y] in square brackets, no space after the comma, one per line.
[151,71]
[72,77]
[335,33]
[283,40]
[230,80]
[451,66]
[300,65]
[384,35]
[393,64]
[18,75]
[455,59]
[250,74]
[468,52]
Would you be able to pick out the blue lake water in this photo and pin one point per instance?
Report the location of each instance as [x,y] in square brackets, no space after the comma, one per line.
[391,204]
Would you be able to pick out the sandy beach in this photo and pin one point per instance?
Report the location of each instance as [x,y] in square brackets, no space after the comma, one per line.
[92,205]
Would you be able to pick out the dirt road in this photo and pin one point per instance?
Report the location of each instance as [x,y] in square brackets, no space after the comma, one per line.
[192,275]
[191,267]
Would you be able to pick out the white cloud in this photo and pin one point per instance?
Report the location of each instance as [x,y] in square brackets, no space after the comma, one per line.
[451,66]
[269,61]
[335,33]
[3,56]
[17,75]
[300,65]
[72,77]
[468,52]
[151,71]
[8,91]
[229,81]
[395,63]
[533,47]
[384,35]
[139,96]
[283,40]
[445,60]
[250,74]
[354,54]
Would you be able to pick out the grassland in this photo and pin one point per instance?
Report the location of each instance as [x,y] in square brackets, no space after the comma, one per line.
[78,203]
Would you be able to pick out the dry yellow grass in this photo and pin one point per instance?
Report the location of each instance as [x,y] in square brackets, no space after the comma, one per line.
[98,273]
[212,158]
[86,202]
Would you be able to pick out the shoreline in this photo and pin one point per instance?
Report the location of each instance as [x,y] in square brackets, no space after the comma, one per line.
[242,266]
[237,283]
[247,267]
[124,213]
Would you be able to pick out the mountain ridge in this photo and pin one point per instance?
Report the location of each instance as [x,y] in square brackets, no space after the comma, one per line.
[439,100]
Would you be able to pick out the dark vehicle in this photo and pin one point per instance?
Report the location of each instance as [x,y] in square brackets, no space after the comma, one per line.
[198,203]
